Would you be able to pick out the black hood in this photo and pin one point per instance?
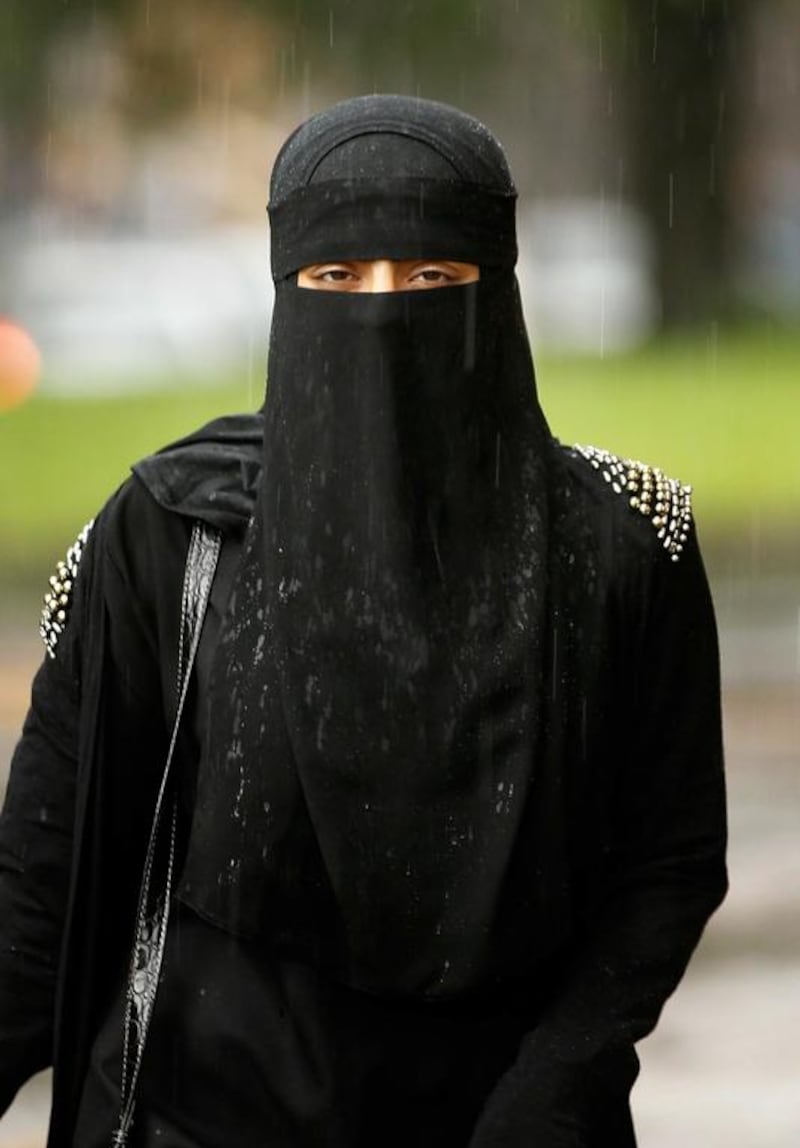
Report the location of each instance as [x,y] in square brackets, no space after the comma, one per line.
[390,177]
[212,474]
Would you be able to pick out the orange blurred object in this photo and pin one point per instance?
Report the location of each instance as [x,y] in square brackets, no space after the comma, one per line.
[20,363]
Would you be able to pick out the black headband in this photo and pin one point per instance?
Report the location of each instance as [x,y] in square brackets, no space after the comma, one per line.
[393,218]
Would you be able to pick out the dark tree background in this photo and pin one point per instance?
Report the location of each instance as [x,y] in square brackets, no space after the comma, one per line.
[681,67]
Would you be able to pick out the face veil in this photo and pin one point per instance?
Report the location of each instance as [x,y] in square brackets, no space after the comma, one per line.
[374,710]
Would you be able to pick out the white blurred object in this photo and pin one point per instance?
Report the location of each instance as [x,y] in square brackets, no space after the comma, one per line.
[120,312]
[585,275]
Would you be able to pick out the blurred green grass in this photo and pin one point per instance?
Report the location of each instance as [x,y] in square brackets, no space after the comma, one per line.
[721,411]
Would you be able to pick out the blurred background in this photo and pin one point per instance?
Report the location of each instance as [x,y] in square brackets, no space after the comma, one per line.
[656,149]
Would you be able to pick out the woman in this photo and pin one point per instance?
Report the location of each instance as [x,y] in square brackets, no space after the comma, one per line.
[444,818]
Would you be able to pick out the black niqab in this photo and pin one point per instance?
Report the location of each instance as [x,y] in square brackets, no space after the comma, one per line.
[375,703]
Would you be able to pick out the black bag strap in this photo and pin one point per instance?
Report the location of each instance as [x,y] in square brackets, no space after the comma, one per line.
[153,908]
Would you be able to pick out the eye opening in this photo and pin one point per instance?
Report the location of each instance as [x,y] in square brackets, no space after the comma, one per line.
[333,273]
[424,273]
[433,271]
[381,275]
[333,276]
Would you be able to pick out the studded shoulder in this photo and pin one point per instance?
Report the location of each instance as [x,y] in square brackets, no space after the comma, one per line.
[665,501]
[58,599]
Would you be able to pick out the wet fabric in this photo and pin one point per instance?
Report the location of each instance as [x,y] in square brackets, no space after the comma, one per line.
[247,1050]
[376,690]
[391,177]
[393,219]
[399,136]
[618,864]
[211,474]
[618,846]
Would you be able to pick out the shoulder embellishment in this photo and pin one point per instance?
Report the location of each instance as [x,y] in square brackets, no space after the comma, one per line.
[58,599]
[665,501]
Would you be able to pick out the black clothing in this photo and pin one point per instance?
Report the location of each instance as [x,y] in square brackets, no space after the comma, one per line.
[211,475]
[84,777]
[640,804]
[377,709]
[381,665]
[390,177]
[450,787]
[248,1050]
[385,135]
[393,219]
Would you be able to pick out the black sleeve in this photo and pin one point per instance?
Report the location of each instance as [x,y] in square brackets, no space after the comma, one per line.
[666,875]
[35,854]
[127,590]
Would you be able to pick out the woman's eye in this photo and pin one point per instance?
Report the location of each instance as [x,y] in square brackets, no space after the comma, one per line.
[335,275]
[431,275]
